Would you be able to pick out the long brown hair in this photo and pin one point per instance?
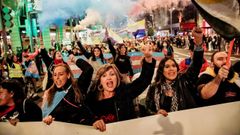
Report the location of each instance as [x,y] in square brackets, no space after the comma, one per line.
[160,78]
[97,83]
[52,90]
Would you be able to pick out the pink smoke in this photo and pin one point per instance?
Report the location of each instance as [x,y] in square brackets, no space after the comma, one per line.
[143,6]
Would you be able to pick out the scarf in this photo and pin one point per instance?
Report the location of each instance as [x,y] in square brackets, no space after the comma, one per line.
[159,94]
[58,61]
[59,95]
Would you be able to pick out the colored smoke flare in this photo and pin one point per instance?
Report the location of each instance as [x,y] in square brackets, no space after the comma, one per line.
[229,53]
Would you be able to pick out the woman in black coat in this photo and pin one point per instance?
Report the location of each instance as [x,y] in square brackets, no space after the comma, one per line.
[110,98]
[173,91]
[63,101]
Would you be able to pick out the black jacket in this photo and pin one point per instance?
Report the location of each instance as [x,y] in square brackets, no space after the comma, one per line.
[68,110]
[49,64]
[83,50]
[84,79]
[26,111]
[185,86]
[125,93]
[72,112]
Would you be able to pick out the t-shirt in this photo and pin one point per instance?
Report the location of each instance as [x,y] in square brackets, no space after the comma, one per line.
[227,92]
[105,109]
[124,65]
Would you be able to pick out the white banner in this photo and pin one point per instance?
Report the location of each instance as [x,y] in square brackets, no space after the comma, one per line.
[221,119]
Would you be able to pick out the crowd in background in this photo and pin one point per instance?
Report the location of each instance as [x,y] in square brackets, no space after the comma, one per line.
[106,92]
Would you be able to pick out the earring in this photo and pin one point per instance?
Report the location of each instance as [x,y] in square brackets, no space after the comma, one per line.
[100,87]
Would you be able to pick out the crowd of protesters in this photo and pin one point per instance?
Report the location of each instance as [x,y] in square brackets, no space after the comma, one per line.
[105,91]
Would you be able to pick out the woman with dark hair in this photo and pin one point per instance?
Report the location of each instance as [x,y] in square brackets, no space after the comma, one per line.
[63,101]
[95,58]
[14,106]
[122,60]
[110,98]
[171,90]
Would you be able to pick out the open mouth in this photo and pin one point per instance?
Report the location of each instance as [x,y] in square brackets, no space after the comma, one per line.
[58,83]
[171,74]
[110,84]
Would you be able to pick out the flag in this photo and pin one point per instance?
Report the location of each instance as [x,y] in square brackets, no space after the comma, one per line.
[115,36]
[136,26]
[136,58]
[222,15]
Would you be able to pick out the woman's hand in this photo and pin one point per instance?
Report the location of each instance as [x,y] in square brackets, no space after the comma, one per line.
[48,120]
[147,51]
[13,121]
[72,58]
[100,125]
[163,112]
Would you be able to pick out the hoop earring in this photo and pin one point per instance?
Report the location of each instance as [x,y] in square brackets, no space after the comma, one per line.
[100,87]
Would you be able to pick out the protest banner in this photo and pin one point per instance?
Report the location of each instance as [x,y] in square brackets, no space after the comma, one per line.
[222,119]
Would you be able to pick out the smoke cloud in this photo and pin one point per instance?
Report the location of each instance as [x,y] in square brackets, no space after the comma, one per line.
[57,11]
[143,6]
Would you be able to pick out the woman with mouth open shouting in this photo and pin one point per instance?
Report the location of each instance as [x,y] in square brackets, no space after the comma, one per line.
[110,98]
[171,90]
[63,101]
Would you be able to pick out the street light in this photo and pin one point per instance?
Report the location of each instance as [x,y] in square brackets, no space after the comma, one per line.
[171,10]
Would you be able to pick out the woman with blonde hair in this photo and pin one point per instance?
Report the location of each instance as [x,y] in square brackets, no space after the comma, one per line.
[63,101]
[110,98]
